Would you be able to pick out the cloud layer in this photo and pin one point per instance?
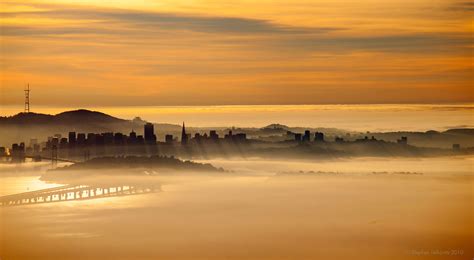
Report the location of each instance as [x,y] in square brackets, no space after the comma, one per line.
[205,54]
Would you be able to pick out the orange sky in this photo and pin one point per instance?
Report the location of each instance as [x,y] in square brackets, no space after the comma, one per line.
[192,52]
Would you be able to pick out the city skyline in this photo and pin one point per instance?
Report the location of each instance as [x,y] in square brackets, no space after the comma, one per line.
[238,52]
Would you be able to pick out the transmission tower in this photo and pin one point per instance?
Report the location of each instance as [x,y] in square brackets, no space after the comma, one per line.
[27,99]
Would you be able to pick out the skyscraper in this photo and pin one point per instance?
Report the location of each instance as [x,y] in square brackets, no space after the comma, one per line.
[132,139]
[72,138]
[319,137]
[307,136]
[169,139]
[213,135]
[184,136]
[150,137]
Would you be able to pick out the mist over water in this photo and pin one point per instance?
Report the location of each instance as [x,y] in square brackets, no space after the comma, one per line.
[365,208]
[339,208]
[318,208]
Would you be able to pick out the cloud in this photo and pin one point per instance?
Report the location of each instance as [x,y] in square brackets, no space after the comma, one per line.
[145,27]
[462,6]
[409,43]
[170,21]
[44,31]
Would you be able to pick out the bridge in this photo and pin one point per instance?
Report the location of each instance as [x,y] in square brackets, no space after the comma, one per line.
[50,159]
[74,192]
[37,158]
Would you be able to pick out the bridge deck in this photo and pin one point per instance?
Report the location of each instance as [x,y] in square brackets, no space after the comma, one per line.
[50,159]
[73,192]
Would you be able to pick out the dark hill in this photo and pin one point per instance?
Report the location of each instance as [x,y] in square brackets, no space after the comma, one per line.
[88,116]
[275,127]
[26,118]
[461,131]
[152,162]
[24,126]
[69,117]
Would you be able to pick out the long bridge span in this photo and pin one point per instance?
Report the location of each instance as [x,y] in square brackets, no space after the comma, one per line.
[51,159]
[74,192]
[38,158]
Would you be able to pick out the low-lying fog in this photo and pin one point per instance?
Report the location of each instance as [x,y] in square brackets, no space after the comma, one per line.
[343,209]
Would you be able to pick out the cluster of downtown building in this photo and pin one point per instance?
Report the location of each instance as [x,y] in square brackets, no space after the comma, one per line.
[319,137]
[148,138]
[109,139]
[147,143]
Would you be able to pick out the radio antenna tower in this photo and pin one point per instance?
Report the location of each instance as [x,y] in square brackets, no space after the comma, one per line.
[27,99]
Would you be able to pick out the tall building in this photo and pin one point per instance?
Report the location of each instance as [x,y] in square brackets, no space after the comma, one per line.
[132,139]
[108,138]
[228,136]
[319,137]
[91,139]
[133,135]
[150,137]
[184,136]
[119,139]
[81,139]
[213,135]
[63,142]
[298,137]
[307,136]
[169,139]
[72,138]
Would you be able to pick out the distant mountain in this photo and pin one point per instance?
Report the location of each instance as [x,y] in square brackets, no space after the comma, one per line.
[68,117]
[275,127]
[25,126]
[461,131]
